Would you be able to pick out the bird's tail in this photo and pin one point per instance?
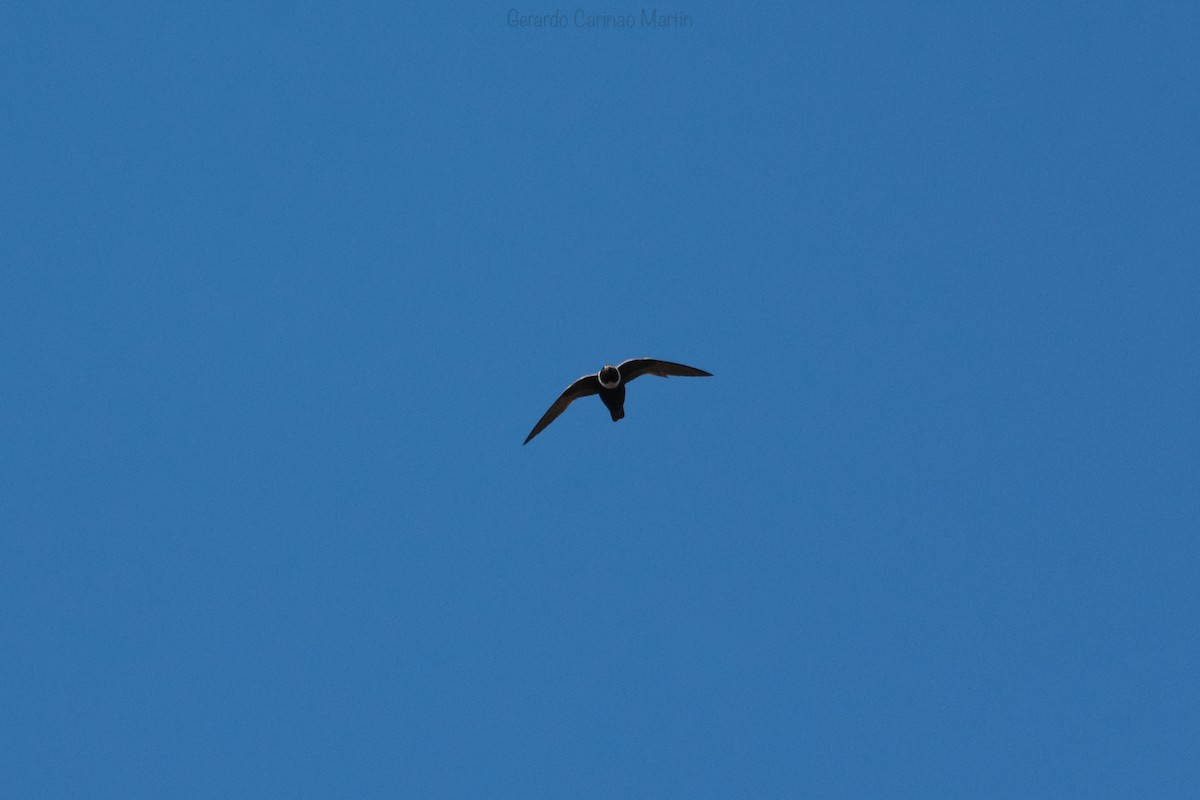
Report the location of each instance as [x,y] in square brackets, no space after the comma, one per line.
[617,413]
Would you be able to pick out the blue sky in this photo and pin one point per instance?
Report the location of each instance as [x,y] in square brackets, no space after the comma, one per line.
[282,290]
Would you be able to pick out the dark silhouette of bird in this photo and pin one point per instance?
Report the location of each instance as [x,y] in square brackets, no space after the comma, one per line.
[609,383]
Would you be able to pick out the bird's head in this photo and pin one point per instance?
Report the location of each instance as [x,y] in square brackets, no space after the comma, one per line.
[609,376]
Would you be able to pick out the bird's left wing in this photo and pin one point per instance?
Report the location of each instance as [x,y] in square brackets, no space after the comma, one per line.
[635,367]
[588,384]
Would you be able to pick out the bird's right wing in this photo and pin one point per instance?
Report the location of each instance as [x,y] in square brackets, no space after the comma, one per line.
[635,367]
[588,384]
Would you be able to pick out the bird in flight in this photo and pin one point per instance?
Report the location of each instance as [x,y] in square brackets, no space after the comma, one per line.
[609,383]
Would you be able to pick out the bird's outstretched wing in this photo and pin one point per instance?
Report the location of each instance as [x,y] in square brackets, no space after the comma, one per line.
[636,367]
[588,384]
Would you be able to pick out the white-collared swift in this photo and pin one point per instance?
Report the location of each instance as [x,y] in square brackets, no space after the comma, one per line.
[609,383]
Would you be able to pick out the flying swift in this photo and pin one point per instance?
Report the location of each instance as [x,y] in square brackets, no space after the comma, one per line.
[609,383]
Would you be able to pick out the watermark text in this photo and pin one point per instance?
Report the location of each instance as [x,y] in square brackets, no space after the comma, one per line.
[584,18]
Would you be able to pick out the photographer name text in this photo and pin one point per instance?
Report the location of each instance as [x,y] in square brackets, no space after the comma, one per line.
[582,18]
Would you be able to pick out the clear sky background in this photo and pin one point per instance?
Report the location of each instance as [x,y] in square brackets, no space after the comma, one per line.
[283,289]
